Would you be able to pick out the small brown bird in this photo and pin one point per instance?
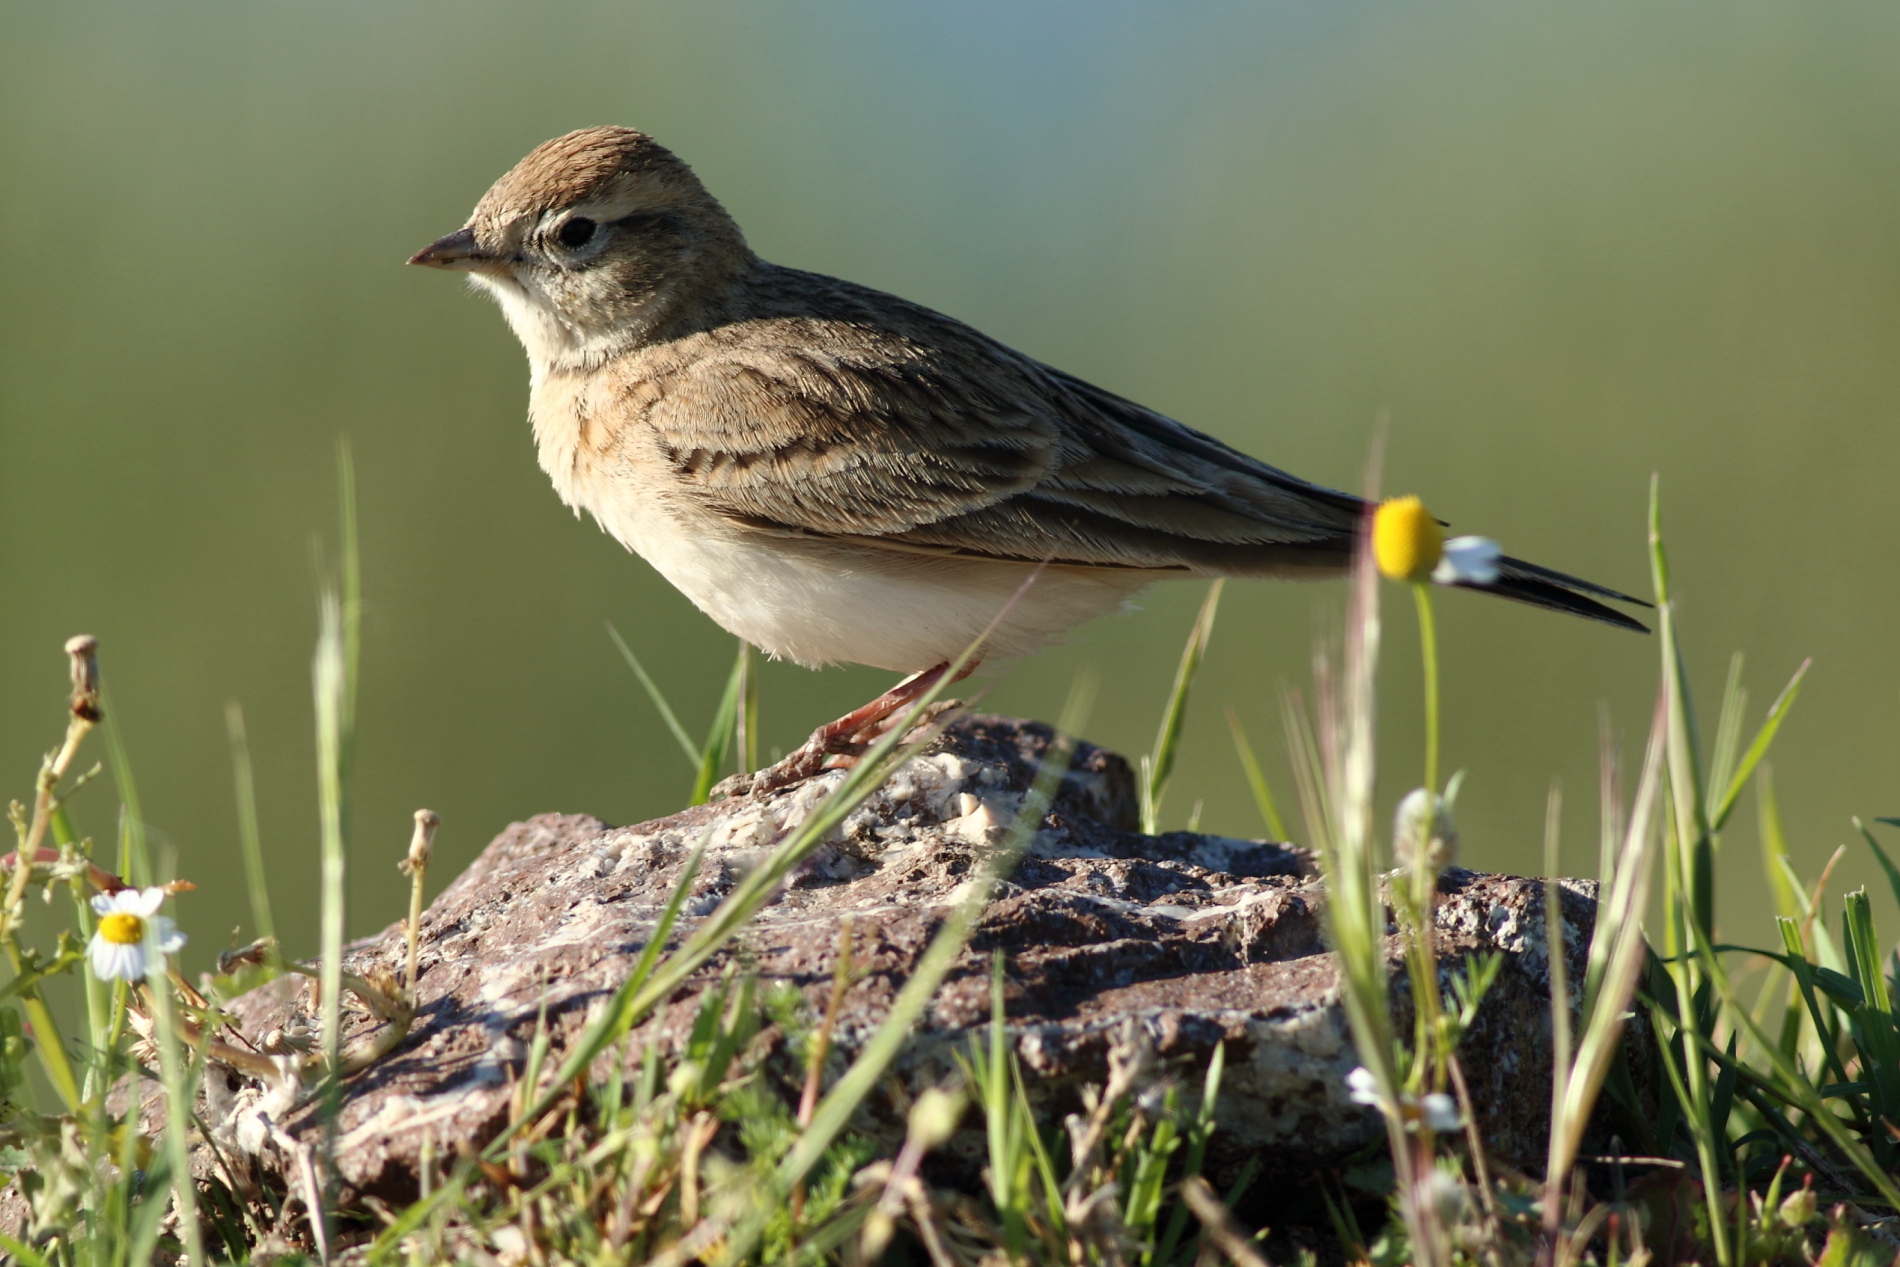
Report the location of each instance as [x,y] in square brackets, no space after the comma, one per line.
[836,474]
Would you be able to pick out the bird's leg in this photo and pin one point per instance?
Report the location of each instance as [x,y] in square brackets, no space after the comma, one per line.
[845,737]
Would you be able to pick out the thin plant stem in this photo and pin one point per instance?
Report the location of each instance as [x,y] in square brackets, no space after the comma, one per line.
[328,674]
[134,863]
[748,741]
[1560,1053]
[176,1079]
[1160,764]
[726,722]
[98,1002]
[1256,780]
[333,680]
[416,867]
[350,581]
[249,838]
[1428,650]
[652,688]
[50,1047]
[84,715]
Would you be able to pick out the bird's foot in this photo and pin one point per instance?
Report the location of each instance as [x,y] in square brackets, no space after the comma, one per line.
[829,748]
[843,741]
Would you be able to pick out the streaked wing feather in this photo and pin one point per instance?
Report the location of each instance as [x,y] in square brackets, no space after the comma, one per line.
[803,446]
[939,441]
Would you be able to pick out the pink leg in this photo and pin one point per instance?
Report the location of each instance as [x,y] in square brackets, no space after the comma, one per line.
[845,736]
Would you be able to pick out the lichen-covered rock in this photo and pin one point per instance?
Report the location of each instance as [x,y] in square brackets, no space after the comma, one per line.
[1200,940]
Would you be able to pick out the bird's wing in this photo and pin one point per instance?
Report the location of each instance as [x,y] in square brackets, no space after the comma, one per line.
[790,438]
[972,450]
[932,438]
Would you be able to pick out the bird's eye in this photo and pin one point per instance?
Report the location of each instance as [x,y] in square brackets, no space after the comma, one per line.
[576,232]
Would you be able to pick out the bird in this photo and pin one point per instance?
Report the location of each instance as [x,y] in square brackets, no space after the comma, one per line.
[836,474]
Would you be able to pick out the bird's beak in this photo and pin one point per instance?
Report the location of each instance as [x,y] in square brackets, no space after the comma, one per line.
[458,251]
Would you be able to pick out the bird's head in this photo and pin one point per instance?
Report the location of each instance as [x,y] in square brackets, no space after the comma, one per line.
[593,243]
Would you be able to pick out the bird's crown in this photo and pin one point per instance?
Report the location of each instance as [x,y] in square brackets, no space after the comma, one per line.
[585,165]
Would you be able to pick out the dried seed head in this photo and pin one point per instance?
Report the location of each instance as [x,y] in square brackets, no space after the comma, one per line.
[244,956]
[934,1118]
[84,651]
[1423,833]
[422,842]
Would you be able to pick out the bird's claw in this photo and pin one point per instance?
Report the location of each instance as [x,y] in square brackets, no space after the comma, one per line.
[827,749]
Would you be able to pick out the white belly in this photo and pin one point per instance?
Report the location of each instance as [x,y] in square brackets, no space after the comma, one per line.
[806,599]
[817,602]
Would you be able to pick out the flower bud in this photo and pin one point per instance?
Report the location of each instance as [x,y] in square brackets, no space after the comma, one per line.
[1406,543]
[1798,1210]
[934,1118]
[1422,832]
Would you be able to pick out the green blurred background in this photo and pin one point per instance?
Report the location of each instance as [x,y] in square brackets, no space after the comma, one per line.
[1561,246]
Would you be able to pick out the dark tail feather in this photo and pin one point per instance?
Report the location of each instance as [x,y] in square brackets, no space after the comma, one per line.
[1541,587]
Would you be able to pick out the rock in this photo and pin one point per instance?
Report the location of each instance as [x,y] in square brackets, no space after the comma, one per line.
[1199,940]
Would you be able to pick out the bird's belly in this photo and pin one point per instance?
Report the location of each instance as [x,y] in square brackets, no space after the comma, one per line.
[819,602]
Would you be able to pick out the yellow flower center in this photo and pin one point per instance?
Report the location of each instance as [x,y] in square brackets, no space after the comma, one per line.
[1406,543]
[122,929]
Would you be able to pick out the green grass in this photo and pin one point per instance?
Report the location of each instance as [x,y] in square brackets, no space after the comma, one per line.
[1768,1136]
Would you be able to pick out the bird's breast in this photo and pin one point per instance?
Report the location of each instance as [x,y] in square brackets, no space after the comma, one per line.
[804,598]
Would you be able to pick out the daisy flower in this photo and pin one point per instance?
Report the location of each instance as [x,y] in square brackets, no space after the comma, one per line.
[131,938]
[1468,561]
[1407,546]
[1406,543]
[1440,1112]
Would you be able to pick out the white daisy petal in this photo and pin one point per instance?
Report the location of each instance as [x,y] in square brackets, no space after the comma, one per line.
[165,933]
[1363,1088]
[1468,561]
[115,961]
[1441,1113]
[157,936]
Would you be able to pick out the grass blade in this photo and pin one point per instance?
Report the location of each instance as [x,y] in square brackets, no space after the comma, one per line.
[665,709]
[249,838]
[135,862]
[748,710]
[1886,863]
[330,684]
[22,1253]
[1203,1130]
[1796,1087]
[180,1090]
[1758,748]
[1160,762]
[1728,731]
[1256,780]
[1774,845]
[725,724]
[1685,758]
[350,588]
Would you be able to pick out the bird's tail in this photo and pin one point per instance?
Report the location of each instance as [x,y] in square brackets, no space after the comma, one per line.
[1542,587]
